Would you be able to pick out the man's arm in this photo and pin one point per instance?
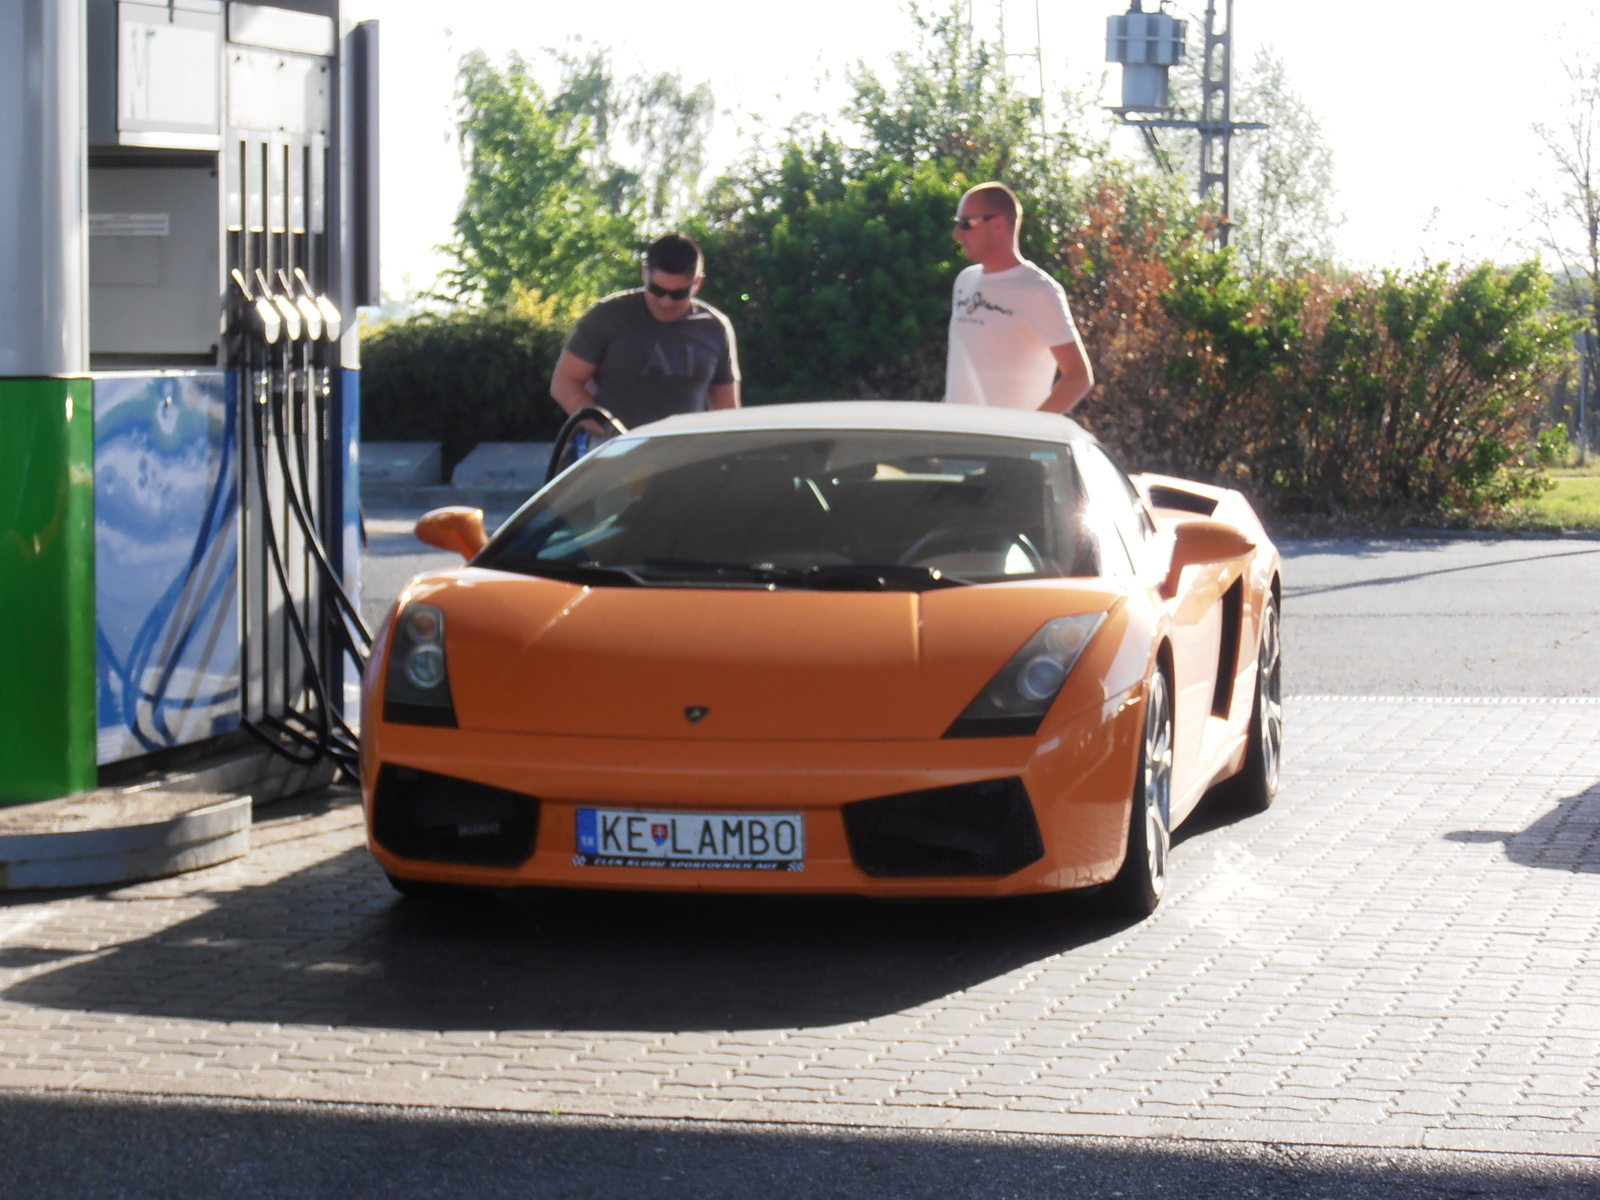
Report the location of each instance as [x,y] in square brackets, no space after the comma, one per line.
[568,384]
[1077,377]
[723,395]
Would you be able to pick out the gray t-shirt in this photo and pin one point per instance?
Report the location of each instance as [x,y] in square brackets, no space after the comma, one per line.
[646,369]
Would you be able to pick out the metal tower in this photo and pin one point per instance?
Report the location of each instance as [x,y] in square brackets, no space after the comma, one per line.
[1147,45]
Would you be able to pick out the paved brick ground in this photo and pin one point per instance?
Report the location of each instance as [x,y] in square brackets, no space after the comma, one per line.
[1403,952]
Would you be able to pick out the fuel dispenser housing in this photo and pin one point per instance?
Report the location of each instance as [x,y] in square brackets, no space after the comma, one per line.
[222,156]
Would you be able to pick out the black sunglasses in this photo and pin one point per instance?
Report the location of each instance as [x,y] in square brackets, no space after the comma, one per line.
[655,289]
[965,223]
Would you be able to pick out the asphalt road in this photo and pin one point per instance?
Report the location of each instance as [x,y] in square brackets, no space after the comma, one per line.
[1452,616]
[1447,616]
[48,1145]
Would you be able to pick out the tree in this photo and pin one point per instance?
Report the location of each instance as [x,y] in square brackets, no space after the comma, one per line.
[1283,177]
[834,255]
[548,207]
[837,279]
[533,214]
[653,122]
[949,100]
[1283,186]
[1569,226]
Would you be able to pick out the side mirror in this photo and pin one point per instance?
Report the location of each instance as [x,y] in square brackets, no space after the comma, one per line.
[456,529]
[1203,541]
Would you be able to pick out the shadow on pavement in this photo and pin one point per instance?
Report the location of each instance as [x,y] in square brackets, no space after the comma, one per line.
[1567,838]
[331,944]
[110,1147]
[1218,809]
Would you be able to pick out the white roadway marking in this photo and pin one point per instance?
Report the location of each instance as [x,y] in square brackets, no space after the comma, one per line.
[1447,699]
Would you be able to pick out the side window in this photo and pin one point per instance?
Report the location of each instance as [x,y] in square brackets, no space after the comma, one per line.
[1113,502]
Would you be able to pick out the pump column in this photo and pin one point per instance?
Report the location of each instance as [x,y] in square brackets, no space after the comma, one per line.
[47,653]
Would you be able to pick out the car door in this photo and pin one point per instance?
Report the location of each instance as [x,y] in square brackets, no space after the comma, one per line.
[1116,509]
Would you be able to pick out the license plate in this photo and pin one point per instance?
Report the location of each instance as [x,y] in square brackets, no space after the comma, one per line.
[618,837]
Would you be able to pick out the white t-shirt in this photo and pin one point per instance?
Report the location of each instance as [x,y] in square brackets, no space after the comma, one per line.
[1002,326]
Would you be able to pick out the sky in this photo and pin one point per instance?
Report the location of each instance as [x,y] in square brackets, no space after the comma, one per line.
[1428,108]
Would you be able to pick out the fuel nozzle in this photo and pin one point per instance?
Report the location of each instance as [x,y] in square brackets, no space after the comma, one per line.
[303,303]
[285,306]
[332,321]
[266,312]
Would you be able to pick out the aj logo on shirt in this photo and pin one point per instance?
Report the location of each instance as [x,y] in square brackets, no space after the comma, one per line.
[661,364]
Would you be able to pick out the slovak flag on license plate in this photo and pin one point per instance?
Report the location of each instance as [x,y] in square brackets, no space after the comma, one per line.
[658,831]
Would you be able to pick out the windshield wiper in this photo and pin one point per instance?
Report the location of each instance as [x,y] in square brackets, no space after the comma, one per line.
[839,577]
[681,568]
[589,573]
[877,577]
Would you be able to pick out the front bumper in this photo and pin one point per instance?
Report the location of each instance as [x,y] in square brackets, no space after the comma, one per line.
[1078,774]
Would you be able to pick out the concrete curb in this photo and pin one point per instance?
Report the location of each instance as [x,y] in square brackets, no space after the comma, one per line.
[215,830]
[165,825]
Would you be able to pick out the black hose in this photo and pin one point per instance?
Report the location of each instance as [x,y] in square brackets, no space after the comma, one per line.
[589,412]
[330,576]
[326,744]
[309,531]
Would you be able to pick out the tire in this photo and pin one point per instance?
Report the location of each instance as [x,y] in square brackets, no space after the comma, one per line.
[1256,786]
[1138,886]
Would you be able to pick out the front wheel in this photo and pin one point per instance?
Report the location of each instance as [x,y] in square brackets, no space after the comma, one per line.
[1138,886]
[1256,787]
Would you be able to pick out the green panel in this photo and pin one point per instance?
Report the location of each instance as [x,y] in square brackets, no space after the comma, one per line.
[47,682]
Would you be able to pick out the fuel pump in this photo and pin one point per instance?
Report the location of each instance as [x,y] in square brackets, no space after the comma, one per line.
[249,130]
[179,406]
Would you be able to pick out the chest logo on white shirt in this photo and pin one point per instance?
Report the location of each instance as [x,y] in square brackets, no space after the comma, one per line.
[978,302]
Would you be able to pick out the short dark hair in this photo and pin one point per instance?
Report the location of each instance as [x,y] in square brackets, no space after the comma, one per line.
[1002,198]
[676,254]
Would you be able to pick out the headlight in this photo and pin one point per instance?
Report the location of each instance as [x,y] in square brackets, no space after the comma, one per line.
[417,691]
[1017,698]
[425,666]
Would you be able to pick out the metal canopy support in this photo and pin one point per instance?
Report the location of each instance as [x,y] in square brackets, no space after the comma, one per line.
[1216,115]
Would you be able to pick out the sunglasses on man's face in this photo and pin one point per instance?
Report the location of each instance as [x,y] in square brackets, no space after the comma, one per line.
[655,289]
[966,223]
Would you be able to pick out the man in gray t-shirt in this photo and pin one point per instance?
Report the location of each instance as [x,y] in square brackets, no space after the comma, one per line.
[652,351]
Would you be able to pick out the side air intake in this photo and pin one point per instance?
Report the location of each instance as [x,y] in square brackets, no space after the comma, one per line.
[980,829]
[434,818]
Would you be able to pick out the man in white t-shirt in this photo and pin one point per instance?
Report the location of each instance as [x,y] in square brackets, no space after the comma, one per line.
[1012,339]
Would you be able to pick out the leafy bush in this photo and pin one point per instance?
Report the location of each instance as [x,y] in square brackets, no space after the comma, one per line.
[464,376]
[838,284]
[1416,393]
[1426,391]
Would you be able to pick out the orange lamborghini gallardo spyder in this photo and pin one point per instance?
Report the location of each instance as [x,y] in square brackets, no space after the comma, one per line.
[879,648]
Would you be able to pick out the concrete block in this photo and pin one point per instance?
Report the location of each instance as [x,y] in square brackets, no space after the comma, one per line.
[173,833]
[503,465]
[419,464]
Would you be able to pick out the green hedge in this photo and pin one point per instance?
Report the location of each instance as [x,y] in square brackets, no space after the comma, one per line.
[462,377]
[1411,393]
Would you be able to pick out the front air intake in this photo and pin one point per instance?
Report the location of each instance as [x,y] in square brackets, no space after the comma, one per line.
[985,828]
[435,818]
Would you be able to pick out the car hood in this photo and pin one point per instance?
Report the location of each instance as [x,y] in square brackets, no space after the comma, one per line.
[531,655]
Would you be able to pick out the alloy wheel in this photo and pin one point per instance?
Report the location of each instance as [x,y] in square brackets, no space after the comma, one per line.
[1270,718]
[1158,782]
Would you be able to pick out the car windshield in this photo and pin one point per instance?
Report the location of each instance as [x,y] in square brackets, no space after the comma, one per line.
[870,510]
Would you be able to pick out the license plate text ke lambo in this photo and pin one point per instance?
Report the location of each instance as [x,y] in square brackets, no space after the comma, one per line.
[610,837]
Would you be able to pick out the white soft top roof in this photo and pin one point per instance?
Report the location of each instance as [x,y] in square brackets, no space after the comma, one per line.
[911,415]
